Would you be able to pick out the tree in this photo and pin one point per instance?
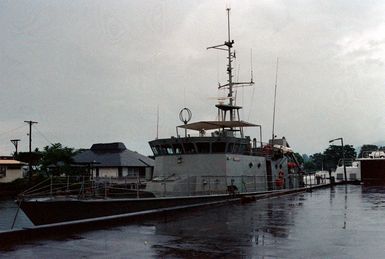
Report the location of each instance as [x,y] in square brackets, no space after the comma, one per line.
[299,158]
[56,159]
[305,157]
[315,162]
[334,153]
[365,149]
[309,166]
[33,158]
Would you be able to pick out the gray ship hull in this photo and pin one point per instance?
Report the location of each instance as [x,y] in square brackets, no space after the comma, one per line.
[48,211]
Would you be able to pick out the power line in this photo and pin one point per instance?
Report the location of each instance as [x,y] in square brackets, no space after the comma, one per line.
[42,135]
[12,130]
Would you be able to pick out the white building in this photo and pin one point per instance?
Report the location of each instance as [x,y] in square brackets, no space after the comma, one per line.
[10,170]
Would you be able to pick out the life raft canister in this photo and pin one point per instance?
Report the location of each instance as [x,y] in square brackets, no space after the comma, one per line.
[291,165]
[280,180]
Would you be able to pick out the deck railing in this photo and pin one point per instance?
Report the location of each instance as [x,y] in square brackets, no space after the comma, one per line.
[80,187]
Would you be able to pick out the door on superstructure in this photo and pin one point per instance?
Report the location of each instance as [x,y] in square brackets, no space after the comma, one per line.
[269,176]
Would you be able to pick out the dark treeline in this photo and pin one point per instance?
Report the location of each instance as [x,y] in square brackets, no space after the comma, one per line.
[329,158]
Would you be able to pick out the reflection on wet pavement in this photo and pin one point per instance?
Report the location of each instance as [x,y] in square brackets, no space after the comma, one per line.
[344,222]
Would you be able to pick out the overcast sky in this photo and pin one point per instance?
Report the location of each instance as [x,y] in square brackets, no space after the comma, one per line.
[96,71]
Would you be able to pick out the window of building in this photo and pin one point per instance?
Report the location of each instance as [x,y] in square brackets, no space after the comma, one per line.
[3,171]
[142,172]
[130,172]
[134,172]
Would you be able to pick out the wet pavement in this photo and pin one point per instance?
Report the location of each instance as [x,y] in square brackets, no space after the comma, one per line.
[344,222]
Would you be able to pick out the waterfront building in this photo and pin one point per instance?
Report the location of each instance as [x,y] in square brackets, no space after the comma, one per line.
[114,160]
[10,169]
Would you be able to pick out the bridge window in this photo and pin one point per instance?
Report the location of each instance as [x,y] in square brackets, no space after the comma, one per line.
[235,148]
[163,150]
[155,151]
[230,148]
[219,147]
[158,149]
[170,151]
[242,149]
[203,147]
[177,148]
[189,148]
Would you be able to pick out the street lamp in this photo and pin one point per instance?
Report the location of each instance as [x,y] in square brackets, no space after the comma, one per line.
[343,154]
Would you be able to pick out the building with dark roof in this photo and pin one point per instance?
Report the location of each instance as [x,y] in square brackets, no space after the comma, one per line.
[115,160]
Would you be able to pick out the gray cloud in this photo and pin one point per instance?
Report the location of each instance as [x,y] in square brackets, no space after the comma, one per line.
[95,71]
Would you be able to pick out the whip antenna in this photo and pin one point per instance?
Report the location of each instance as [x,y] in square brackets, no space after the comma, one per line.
[157,122]
[251,66]
[275,99]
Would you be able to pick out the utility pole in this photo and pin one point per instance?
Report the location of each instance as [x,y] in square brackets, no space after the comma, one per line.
[30,147]
[15,142]
[343,155]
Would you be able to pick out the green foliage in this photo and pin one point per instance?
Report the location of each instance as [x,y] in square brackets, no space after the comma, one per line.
[309,166]
[367,148]
[329,158]
[315,162]
[56,159]
[33,157]
[334,153]
[305,157]
[299,158]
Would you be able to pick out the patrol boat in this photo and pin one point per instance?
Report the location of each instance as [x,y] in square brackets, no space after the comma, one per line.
[206,162]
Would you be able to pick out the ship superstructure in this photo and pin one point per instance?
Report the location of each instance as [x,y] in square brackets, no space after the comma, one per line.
[216,156]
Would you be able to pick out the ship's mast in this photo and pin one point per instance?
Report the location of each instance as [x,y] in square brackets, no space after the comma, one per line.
[230,56]
[229,43]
